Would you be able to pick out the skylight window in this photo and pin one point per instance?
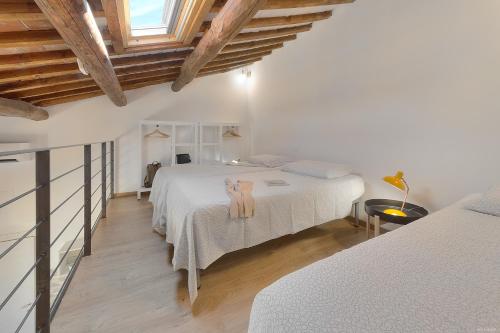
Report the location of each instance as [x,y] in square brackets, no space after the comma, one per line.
[153,17]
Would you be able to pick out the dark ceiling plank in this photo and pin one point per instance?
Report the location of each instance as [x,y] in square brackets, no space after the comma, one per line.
[273,33]
[263,22]
[23,85]
[287,4]
[135,84]
[11,61]
[33,73]
[25,11]
[256,44]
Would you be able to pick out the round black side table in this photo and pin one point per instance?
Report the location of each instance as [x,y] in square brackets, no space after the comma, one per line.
[375,208]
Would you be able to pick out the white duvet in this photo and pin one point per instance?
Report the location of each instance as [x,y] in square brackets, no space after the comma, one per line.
[194,210]
[166,175]
[438,274]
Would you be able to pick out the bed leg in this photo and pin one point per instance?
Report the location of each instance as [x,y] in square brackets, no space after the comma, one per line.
[198,278]
[376,226]
[356,213]
[368,227]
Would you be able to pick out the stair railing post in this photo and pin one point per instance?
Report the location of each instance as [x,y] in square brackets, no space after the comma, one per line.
[112,171]
[43,240]
[87,213]
[103,180]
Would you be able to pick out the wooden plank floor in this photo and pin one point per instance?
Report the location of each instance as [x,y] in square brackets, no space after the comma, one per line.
[128,284]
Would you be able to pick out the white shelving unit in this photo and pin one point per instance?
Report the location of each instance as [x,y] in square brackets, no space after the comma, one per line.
[213,143]
[183,139]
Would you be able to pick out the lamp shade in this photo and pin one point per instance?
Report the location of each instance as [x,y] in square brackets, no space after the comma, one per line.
[396,180]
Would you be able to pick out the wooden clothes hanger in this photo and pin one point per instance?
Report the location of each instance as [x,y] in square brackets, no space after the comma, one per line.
[157,134]
[231,133]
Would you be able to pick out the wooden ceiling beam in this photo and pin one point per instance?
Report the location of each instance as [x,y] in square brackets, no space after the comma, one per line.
[287,4]
[231,64]
[225,26]
[11,108]
[226,69]
[11,61]
[45,72]
[75,23]
[256,44]
[245,52]
[264,22]
[33,73]
[24,11]
[30,38]
[149,58]
[29,95]
[112,12]
[23,85]
[70,98]
[50,89]
[271,33]
[135,84]
[14,39]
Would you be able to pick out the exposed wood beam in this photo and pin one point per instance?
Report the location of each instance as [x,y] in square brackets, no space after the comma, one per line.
[24,11]
[227,55]
[135,84]
[263,22]
[235,60]
[50,89]
[11,108]
[22,60]
[67,99]
[10,61]
[224,66]
[271,33]
[32,73]
[46,75]
[225,26]
[22,85]
[112,10]
[30,38]
[149,58]
[75,23]
[286,4]
[256,44]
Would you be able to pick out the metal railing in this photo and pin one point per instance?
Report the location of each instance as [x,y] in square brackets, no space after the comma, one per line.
[44,310]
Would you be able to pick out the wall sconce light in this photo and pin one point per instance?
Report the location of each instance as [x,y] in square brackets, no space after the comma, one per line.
[246,72]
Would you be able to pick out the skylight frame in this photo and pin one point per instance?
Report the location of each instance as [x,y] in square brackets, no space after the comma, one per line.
[185,24]
[169,16]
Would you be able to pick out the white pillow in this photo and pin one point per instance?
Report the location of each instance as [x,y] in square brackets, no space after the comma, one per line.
[487,203]
[317,169]
[271,161]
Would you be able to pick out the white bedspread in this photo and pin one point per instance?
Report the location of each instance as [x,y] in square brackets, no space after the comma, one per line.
[166,175]
[199,227]
[438,274]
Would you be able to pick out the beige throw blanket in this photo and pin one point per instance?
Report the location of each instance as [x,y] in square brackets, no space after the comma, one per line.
[242,202]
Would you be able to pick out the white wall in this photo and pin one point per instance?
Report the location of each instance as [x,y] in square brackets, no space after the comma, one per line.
[217,98]
[387,85]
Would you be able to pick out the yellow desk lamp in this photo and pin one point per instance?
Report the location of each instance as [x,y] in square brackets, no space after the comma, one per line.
[400,183]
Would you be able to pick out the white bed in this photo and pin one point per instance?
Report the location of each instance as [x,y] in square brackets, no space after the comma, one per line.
[438,274]
[192,205]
